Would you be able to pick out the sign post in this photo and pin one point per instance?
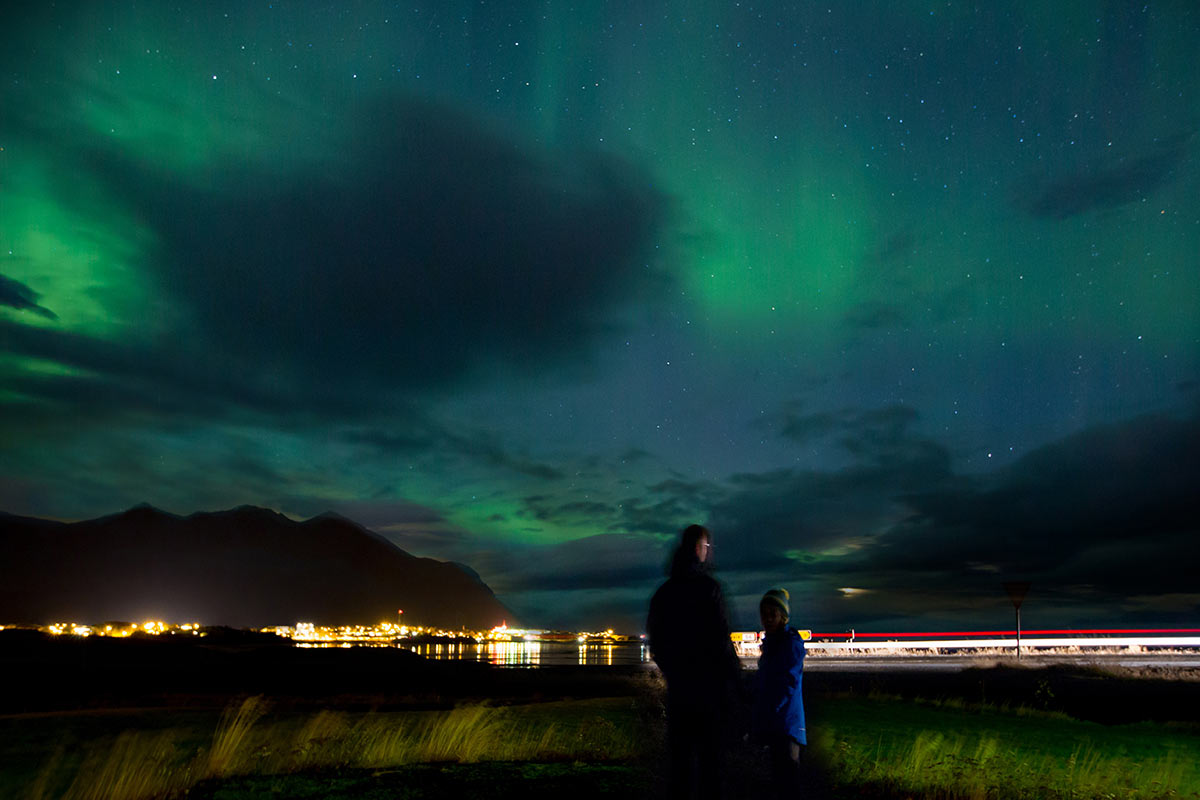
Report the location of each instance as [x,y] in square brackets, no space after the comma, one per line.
[1016,593]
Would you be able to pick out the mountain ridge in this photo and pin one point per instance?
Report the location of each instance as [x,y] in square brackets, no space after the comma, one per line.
[246,567]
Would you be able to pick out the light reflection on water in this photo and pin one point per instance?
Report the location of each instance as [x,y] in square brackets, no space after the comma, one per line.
[535,654]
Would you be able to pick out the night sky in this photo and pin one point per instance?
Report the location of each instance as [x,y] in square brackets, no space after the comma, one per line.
[902,300]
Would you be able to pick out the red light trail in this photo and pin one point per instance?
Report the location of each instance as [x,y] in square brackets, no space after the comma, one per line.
[1013,632]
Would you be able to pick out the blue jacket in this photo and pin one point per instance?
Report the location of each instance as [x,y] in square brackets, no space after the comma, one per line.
[778,701]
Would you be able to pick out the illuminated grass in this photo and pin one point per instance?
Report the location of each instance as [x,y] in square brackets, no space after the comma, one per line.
[875,745]
[247,741]
[948,750]
[138,765]
[229,742]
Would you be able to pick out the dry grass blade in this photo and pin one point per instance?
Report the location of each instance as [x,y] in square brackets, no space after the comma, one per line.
[228,748]
[138,766]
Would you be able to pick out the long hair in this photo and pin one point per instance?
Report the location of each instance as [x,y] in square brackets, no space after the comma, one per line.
[685,559]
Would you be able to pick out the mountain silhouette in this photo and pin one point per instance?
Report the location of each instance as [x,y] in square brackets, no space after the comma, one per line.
[245,567]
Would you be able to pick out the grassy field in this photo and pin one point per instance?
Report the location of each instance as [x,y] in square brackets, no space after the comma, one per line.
[128,756]
[863,742]
[951,749]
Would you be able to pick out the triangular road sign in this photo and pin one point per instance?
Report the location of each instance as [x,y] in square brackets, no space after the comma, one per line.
[1016,591]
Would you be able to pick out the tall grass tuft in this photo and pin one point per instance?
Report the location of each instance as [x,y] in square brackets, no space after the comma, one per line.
[319,743]
[144,765]
[138,765]
[40,788]
[384,745]
[228,748]
[465,734]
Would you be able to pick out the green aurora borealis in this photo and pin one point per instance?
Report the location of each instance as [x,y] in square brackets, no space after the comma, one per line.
[897,297]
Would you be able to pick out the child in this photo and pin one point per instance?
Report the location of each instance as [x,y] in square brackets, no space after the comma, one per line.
[778,713]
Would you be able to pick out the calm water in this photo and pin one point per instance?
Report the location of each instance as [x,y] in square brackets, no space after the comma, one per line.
[540,654]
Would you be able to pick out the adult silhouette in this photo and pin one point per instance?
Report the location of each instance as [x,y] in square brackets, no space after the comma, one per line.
[688,630]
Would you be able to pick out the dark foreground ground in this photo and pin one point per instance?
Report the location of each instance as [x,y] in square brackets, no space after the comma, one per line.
[50,676]
[483,781]
[46,674]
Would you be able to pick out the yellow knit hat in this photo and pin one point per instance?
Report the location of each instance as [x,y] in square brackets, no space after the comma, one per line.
[780,598]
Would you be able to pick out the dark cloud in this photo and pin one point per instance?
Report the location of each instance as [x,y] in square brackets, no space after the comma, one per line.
[769,519]
[484,448]
[1109,513]
[15,294]
[102,469]
[804,427]
[882,437]
[879,436]
[385,514]
[424,247]
[585,508]
[603,561]
[418,433]
[772,521]
[661,516]
[429,246]
[684,491]
[1105,183]
[1103,519]
[666,507]
[414,527]
[617,571]
[142,376]
[634,455]
[545,507]
[874,316]
[886,272]
[896,247]
[406,436]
